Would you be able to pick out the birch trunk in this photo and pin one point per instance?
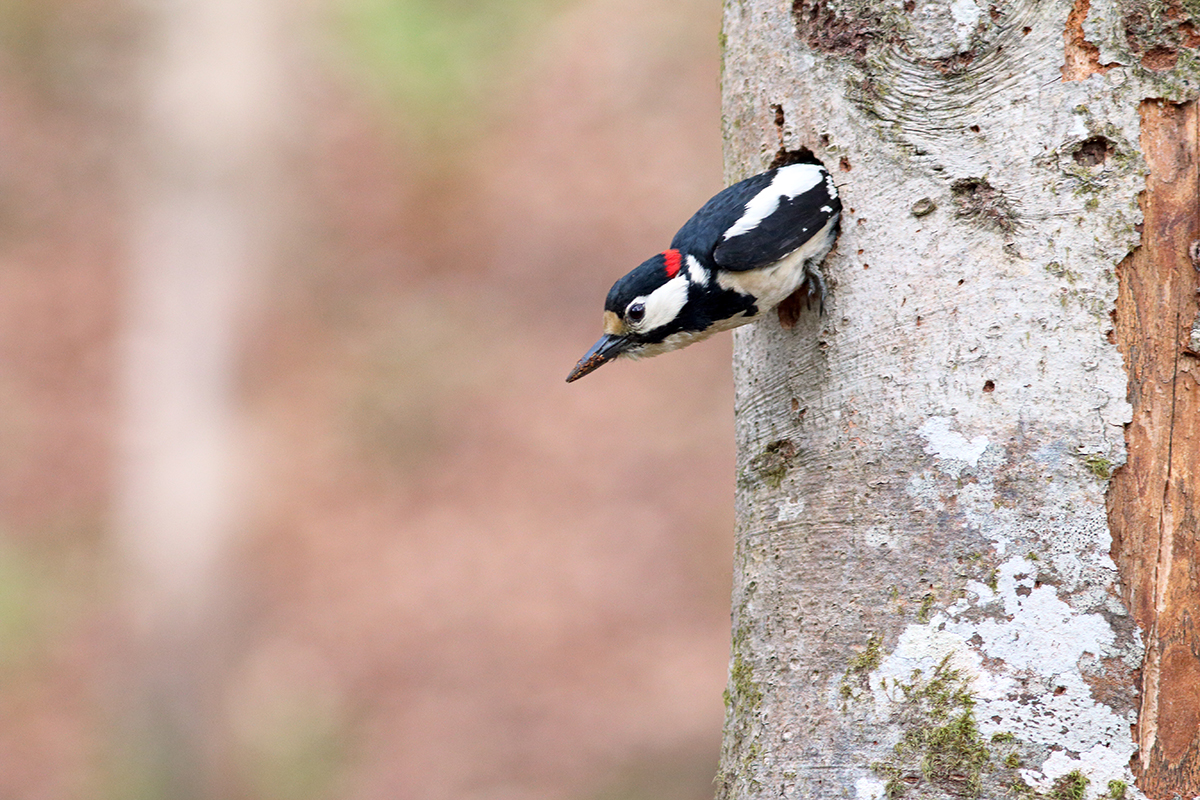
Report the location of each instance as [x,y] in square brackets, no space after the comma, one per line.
[966,559]
[202,211]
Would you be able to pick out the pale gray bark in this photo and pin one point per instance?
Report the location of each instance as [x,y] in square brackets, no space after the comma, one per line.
[925,603]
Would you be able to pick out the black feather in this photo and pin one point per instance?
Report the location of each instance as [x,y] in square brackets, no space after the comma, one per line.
[793,222]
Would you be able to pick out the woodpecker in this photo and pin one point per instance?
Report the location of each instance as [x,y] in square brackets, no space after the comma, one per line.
[745,251]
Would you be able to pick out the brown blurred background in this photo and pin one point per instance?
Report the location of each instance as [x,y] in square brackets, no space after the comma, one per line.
[294,501]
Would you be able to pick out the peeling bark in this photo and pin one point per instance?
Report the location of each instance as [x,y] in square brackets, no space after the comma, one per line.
[1081,57]
[1152,502]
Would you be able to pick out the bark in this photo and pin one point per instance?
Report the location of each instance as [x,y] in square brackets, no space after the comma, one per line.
[1152,501]
[948,580]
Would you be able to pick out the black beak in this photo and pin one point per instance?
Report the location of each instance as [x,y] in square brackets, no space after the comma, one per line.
[603,351]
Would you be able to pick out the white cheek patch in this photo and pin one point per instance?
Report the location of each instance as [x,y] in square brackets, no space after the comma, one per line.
[696,272]
[788,182]
[664,303]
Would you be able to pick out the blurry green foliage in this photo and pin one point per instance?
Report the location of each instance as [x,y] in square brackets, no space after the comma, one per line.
[441,59]
[42,596]
[24,27]
[20,606]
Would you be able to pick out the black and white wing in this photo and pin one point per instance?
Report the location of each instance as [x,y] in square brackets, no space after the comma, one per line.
[776,218]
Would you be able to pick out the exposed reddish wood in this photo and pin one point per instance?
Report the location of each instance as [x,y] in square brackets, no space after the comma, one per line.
[1153,509]
[789,311]
[1191,37]
[1160,59]
[1081,58]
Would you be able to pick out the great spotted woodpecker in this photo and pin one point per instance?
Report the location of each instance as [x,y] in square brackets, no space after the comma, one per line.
[744,252]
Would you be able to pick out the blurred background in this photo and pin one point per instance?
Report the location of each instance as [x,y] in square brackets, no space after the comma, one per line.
[294,501]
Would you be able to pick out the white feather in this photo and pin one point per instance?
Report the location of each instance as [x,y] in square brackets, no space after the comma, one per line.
[664,303]
[788,182]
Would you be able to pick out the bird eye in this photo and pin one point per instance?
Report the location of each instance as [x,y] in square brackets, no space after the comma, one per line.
[635,312]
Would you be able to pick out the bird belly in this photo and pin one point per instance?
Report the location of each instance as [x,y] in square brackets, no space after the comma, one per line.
[771,285]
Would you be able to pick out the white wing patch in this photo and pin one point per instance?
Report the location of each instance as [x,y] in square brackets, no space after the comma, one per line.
[664,303]
[788,182]
[696,272]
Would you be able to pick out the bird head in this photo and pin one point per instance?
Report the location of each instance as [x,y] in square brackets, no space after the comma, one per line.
[642,310]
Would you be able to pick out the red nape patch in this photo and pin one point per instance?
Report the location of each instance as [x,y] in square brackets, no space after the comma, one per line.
[674,262]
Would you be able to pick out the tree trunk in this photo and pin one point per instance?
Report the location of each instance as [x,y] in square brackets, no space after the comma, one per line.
[203,201]
[967,530]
